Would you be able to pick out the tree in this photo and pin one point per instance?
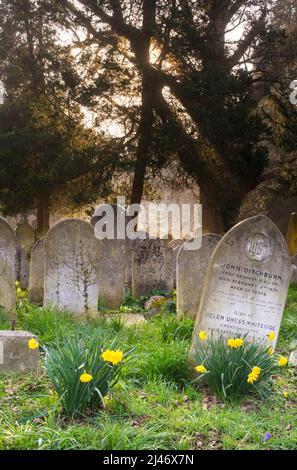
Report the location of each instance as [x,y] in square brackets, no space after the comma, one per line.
[44,144]
[200,85]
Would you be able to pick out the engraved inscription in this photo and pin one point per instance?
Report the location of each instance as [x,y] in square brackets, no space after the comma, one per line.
[246,284]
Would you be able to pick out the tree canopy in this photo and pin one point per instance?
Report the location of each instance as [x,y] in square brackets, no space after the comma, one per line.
[200,82]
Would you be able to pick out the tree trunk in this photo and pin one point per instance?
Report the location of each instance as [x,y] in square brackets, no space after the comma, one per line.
[142,52]
[145,130]
[212,220]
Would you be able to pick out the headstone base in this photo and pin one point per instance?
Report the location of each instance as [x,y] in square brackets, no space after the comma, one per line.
[15,354]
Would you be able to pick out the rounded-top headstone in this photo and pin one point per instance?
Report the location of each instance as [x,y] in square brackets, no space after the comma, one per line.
[72,259]
[246,285]
[191,271]
[25,236]
[7,266]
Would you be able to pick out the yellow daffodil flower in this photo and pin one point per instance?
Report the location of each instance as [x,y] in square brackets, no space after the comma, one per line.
[271,336]
[235,343]
[115,357]
[254,375]
[85,378]
[202,335]
[283,361]
[33,344]
[285,394]
[201,369]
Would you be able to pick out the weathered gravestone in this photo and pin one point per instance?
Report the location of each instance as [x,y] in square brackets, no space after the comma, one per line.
[291,235]
[15,354]
[173,250]
[7,266]
[114,253]
[22,267]
[72,259]
[36,279]
[191,272]
[112,273]
[246,285]
[25,236]
[151,267]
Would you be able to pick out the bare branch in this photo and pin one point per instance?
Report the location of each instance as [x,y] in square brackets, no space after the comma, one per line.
[256,30]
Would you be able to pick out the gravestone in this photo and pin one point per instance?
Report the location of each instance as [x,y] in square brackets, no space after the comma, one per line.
[173,250]
[151,266]
[22,267]
[114,256]
[112,273]
[191,272]
[246,285]
[25,236]
[291,235]
[36,279]
[7,266]
[72,260]
[15,354]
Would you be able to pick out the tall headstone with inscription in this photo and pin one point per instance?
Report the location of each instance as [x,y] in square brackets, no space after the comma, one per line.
[7,266]
[191,272]
[150,267]
[36,279]
[246,283]
[72,260]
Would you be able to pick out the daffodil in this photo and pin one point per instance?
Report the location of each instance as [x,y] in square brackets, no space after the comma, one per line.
[115,357]
[85,378]
[235,343]
[254,375]
[285,394]
[283,361]
[271,336]
[202,335]
[33,344]
[201,369]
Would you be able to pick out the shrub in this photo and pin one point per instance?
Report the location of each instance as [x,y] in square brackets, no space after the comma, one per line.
[81,371]
[234,368]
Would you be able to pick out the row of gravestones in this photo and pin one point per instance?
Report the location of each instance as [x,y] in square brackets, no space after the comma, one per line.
[70,269]
[237,285]
[78,268]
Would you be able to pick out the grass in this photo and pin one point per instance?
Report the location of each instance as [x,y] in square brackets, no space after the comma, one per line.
[153,406]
